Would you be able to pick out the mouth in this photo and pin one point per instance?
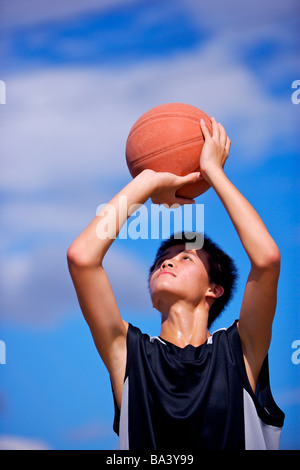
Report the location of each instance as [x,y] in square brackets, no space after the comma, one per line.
[167,272]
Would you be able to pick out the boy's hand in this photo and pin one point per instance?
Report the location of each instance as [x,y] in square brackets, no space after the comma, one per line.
[164,186]
[215,150]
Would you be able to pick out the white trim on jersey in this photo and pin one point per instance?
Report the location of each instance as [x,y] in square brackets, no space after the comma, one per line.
[258,435]
[124,418]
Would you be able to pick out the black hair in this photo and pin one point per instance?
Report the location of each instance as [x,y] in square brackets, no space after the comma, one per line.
[222,269]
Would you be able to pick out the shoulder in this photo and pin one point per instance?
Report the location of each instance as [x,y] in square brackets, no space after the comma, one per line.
[226,335]
[227,345]
[138,341]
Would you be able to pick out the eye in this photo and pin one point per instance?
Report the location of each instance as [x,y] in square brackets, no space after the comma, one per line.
[187,257]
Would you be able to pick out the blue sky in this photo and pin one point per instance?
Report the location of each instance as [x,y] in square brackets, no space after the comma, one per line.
[78,75]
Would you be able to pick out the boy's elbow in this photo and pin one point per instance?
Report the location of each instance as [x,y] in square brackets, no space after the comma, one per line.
[270,259]
[274,257]
[76,256]
[72,255]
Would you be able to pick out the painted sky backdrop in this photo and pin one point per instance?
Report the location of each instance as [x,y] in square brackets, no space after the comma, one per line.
[78,74]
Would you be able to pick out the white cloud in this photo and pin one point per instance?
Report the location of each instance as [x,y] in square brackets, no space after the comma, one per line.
[90,430]
[36,289]
[63,124]
[41,220]
[16,13]
[214,14]
[240,16]
[66,125]
[62,142]
[9,442]
[128,275]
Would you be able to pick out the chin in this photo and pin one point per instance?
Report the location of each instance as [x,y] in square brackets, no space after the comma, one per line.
[163,299]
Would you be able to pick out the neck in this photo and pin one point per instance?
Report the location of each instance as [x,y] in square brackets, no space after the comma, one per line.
[182,325]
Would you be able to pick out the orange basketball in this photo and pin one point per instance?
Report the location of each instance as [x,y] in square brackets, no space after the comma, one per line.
[169,138]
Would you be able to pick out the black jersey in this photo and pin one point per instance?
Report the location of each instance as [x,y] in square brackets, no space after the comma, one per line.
[194,398]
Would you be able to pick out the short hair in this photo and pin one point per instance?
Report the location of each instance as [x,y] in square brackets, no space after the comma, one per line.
[222,269]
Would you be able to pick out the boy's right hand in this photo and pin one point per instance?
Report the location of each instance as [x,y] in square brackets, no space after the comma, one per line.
[164,186]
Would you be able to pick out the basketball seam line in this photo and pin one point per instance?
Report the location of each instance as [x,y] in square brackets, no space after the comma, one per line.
[167,115]
[170,147]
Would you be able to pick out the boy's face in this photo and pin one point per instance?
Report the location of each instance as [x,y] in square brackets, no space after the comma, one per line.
[179,274]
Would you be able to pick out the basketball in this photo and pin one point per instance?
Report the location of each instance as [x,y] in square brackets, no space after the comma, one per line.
[168,138]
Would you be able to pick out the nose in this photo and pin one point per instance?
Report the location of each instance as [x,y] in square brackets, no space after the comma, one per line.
[167,263]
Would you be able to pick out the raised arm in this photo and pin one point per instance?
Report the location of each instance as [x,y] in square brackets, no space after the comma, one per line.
[259,302]
[85,257]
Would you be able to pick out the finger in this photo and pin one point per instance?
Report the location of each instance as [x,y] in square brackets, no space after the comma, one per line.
[215,129]
[223,135]
[183,200]
[191,178]
[204,129]
[228,145]
[187,179]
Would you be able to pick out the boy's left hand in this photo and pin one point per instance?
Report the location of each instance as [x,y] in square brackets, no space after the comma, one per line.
[215,150]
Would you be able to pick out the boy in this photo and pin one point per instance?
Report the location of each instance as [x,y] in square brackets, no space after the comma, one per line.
[187,389]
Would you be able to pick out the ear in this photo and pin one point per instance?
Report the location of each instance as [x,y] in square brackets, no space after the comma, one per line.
[215,291]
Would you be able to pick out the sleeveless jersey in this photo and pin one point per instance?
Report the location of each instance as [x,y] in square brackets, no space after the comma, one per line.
[194,398]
